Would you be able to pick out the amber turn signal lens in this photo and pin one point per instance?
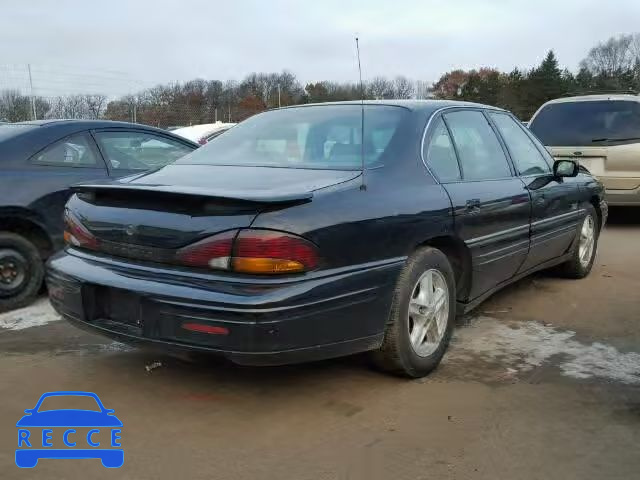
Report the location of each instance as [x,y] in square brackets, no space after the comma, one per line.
[266,265]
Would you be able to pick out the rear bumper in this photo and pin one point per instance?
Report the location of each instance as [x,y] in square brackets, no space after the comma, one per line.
[265,321]
[622,197]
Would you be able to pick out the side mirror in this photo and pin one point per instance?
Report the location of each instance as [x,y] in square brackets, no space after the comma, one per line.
[565,168]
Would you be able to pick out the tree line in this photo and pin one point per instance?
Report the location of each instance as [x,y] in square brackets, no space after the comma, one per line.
[612,65]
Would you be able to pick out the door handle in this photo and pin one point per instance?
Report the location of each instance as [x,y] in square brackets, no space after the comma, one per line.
[473,205]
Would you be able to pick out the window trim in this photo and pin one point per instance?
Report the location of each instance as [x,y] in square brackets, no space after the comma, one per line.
[116,171]
[429,127]
[482,112]
[455,151]
[90,142]
[506,146]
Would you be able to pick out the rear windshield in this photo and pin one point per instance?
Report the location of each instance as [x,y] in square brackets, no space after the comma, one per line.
[8,130]
[322,137]
[587,123]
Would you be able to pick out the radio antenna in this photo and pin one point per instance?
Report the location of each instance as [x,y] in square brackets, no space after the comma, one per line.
[363,185]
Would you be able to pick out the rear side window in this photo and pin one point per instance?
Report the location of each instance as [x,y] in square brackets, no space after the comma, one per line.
[524,153]
[480,153]
[587,123]
[133,150]
[440,154]
[73,151]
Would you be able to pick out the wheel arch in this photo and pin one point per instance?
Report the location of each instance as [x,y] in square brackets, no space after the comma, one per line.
[460,257]
[28,227]
[595,202]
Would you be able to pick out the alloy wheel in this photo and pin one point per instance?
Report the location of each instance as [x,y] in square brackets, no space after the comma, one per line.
[428,313]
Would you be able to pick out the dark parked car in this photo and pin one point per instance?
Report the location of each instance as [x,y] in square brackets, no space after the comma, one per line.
[38,163]
[270,246]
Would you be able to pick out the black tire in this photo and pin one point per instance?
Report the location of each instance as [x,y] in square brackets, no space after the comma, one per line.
[21,271]
[574,268]
[397,355]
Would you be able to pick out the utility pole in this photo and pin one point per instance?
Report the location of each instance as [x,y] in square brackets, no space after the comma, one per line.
[215,115]
[33,100]
[279,102]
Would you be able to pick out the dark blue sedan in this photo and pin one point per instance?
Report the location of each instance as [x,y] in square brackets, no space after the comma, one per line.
[39,161]
[299,235]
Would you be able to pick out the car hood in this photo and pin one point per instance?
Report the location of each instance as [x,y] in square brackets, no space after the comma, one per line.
[269,184]
[69,418]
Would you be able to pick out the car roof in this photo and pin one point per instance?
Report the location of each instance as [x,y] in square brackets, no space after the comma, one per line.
[596,97]
[427,106]
[85,123]
[194,132]
[66,126]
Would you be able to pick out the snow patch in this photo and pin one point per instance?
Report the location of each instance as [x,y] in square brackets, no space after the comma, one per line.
[40,313]
[526,345]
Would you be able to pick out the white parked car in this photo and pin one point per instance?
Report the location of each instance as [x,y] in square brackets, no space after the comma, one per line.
[203,133]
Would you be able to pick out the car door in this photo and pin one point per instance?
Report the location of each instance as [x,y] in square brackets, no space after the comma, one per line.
[73,159]
[490,204]
[555,201]
[133,151]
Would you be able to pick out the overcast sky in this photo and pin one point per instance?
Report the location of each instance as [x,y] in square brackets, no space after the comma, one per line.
[126,44]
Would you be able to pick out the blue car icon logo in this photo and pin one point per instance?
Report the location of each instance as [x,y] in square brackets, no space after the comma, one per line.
[84,433]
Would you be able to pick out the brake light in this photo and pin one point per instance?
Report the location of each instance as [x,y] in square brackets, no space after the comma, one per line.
[76,234]
[252,251]
[264,251]
[213,252]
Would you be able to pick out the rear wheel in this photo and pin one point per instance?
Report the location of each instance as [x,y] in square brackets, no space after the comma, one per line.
[422,316]
[584,254]
[21,271]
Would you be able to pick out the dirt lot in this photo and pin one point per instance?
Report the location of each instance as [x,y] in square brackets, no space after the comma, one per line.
[543,382]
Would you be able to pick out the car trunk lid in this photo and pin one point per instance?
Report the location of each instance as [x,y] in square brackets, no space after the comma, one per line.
[181,204]
[617,166]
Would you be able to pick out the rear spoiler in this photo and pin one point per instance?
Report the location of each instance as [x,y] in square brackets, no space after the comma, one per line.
[253,197]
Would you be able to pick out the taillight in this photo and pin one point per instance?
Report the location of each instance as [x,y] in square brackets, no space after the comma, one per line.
[265,251]
[252,251]
[213,252]
[76,234]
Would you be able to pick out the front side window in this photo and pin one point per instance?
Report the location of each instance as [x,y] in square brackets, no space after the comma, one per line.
[587,123]
[130,150]
[321,137]
[441,156]
[73,151]
[480,153]
[524,153]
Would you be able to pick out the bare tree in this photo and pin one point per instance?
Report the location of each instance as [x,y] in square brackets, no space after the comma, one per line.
[95,105]
[612,56]
[380,88]
[403,87]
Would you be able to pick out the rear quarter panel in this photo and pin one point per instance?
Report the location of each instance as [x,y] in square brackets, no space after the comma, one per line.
[386,221]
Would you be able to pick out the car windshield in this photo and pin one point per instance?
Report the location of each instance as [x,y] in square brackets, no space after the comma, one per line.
[69,402]
[586,123]
[320,137]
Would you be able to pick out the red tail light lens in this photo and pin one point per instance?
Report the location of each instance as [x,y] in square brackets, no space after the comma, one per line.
[252,251]
[76,234]
[264,251]
[213,252]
